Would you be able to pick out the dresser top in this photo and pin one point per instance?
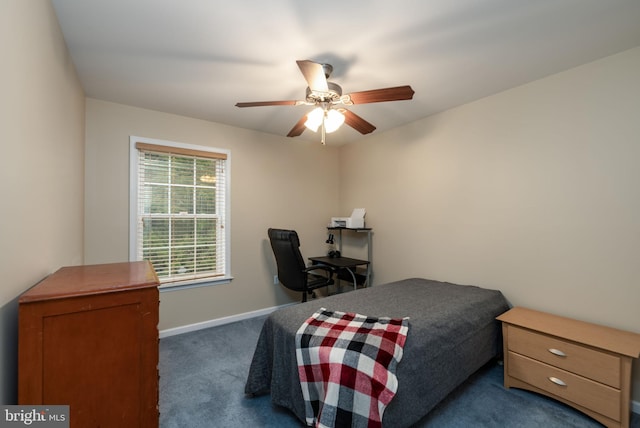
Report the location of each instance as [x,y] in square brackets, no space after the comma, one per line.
[76,281]
[598,336]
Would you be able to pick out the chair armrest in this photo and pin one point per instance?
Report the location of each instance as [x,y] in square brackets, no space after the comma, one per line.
[327,269]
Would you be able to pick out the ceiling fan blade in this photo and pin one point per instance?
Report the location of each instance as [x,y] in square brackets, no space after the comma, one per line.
[267,103]
[314,75]
[397,93]
[298,128]
[357,123]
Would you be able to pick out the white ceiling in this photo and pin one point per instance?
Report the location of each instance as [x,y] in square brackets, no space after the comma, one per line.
[198,58]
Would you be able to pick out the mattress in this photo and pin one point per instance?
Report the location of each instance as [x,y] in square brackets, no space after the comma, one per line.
[452,333]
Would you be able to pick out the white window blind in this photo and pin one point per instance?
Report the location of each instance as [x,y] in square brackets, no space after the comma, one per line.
[181,212]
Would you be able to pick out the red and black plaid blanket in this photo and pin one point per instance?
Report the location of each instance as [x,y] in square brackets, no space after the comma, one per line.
[346,364]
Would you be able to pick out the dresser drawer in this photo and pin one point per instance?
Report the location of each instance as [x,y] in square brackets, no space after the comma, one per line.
[577,389]
[599,366]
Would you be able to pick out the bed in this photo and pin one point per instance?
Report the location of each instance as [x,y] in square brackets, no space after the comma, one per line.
[452,333]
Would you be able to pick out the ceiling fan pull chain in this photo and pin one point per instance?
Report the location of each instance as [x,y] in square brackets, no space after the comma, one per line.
[323,132]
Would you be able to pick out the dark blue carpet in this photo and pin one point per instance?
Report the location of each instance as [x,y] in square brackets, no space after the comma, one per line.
[202,376]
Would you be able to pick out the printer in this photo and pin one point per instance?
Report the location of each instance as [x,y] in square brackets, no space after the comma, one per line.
[356,221]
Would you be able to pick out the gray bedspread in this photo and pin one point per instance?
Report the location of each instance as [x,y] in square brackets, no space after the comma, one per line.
[452,333]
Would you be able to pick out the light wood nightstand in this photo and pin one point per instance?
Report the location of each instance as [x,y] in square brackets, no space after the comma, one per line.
[584,365]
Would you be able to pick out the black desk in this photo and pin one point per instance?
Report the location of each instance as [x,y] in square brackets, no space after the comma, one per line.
[342,263]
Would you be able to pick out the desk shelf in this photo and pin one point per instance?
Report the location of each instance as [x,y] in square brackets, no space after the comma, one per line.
[362,274]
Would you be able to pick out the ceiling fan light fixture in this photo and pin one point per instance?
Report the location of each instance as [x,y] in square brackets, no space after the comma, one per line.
[333,120]
[314,119]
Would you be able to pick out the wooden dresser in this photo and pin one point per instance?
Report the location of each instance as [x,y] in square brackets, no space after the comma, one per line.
[584,365]
[88,338]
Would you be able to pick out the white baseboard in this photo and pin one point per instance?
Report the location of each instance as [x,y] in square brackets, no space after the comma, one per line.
[219,321]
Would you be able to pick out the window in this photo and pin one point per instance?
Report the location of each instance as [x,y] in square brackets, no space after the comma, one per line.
[179,211]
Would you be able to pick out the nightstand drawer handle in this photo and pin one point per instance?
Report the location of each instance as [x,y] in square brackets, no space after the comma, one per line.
[557,352]
[557,381]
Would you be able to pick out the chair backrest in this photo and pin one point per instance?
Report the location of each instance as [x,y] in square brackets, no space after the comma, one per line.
[286,249]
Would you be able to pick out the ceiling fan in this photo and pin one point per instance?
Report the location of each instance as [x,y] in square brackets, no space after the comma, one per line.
[326,96]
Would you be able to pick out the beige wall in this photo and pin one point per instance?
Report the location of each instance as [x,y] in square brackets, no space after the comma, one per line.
[533,191]
[275,182]
[41,167]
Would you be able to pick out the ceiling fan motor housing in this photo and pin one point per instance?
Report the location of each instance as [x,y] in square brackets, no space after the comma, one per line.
[328,69]
[332,95]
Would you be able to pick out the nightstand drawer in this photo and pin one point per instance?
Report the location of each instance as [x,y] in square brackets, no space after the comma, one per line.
[590,363]
[577,389]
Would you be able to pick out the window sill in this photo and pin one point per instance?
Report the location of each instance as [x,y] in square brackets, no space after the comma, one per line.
[183,285]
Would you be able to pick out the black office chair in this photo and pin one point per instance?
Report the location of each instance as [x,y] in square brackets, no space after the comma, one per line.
[292,271]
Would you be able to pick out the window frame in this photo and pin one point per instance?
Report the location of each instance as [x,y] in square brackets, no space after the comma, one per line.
[133,208]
